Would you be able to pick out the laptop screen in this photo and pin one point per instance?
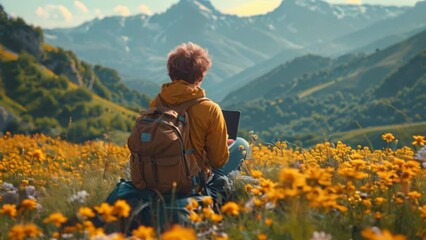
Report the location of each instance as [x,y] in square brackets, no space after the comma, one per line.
[232,119]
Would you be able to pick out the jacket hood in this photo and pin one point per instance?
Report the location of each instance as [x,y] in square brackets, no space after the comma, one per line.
[179,91]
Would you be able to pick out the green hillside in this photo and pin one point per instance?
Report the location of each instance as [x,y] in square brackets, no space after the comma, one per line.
[382,89]
[281,76]
[371,136]
[49,90]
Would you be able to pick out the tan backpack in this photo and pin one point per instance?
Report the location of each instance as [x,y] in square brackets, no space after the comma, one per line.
[160,159]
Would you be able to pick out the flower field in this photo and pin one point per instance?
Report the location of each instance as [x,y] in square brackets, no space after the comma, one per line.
[50,189]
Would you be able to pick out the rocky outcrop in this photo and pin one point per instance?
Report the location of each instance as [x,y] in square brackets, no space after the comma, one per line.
[6,119]
[61,64]
[16,35]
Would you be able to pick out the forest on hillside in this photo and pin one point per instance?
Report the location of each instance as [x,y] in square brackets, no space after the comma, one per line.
[49,90]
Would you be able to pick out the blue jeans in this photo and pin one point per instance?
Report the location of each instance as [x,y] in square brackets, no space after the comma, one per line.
[219,186]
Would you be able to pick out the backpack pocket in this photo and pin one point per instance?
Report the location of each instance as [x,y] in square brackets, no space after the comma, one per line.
[170,170]
[137,174]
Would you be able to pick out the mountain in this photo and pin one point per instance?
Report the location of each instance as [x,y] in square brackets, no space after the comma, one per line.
[234,82]
[265,85]
[388,41]
[355,91]
[48,89]
[138,45]
[348,74]
[315,21]
[411,20]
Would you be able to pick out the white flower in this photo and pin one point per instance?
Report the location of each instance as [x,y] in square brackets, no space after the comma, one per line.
[103,237]
[321,236]
[67,236]
[8,187]
[79,197]
[421,154]
[31,192]
[236,176]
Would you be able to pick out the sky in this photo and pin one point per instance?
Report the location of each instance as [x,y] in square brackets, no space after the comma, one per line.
[69,13]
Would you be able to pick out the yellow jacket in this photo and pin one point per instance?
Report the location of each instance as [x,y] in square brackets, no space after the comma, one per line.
[208,133]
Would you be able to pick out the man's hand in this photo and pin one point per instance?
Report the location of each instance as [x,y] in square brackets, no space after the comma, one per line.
[230,141]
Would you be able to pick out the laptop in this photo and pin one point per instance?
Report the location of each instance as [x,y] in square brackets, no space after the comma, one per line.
[232,119]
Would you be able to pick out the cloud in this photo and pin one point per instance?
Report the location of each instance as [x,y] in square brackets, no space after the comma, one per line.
[80,6]
[253,7]
[122,10]
[41,12]
[355,2]
[98,13]
[144,9]
[54,12]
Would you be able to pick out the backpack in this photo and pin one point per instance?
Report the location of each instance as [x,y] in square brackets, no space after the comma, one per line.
[159,158]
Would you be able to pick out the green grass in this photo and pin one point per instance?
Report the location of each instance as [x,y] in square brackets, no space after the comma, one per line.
[372,135]
[11,105]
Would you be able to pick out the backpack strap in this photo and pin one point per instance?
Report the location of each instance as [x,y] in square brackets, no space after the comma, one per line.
[159,101]
[181,108]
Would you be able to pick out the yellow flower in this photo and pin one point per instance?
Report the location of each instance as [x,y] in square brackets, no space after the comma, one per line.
[207,201]
[116,236]
[194,217]
[32,231]
[93,231]
[207,211]
[144,233]
[388,137]
[257,202]
[56,235]
[231,208]
[419,140]
[107,212]
[85,212]
[268,221]
[17,232]
[369,234]
[256,173]
[248,187]
[292,178]
[179,233]
[38,154]
[192,204]
[414,195]
[121,208]
[261,236]
[9,210]
[29,204]
[220,236]
[423,211]
[216,218]
[56,218]
[24,183]
[351,173]
[367,203]
[21,232]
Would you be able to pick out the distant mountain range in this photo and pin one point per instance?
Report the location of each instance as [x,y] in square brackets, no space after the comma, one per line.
[137,46]
[353,91]
[413,19]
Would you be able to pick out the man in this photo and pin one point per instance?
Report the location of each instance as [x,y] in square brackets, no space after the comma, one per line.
[187,66]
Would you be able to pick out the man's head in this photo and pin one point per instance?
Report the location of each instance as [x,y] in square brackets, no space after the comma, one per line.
[188,62]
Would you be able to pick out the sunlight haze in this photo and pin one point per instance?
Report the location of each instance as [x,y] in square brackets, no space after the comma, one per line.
[51,14]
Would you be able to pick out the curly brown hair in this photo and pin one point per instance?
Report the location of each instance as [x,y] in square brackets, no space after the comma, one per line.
[188,62]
